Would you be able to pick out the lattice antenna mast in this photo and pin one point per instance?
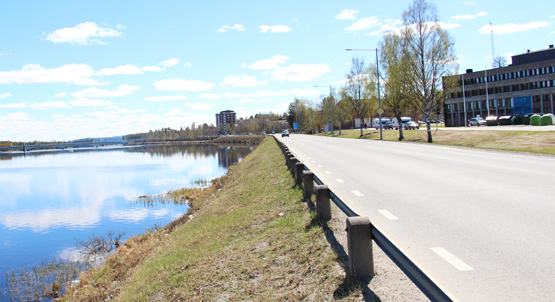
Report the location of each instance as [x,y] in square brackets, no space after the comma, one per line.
[492,50]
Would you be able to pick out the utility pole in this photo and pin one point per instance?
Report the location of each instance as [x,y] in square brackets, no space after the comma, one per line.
[492,50]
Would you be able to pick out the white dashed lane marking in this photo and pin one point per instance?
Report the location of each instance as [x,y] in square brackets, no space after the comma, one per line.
[357,193]
[387,214]
[327,172]
[318,166]
[452,259]
[340,181]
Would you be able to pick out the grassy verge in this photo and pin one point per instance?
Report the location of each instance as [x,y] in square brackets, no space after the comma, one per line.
[526,141]
[253,240]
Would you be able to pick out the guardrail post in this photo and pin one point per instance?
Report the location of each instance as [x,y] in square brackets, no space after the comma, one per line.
[299,173]
[323,209]
[288,158]
[359,240]
[292,164]
[308,184]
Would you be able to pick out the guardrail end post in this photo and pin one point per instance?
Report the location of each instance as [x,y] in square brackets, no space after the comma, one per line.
[359,241]
[323,209]
[299,173]
[308,184]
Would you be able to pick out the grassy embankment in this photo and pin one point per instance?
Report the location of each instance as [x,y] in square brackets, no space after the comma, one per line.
[253,239]
[527,141]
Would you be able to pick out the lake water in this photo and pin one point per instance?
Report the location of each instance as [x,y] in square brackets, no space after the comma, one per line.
[47,200]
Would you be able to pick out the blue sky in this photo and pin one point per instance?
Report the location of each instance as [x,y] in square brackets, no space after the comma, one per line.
[70,69]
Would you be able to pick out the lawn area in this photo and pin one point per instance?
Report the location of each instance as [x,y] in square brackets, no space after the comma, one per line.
[525,141]
[254,239]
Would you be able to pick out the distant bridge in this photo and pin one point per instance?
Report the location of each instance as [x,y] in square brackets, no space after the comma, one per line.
[77,144]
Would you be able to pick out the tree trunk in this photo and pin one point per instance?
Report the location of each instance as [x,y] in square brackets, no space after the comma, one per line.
[400,122]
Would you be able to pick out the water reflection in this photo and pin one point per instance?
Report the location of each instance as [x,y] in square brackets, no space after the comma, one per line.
[49,199]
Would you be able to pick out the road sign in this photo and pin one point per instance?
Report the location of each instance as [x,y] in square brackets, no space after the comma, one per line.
[380,111]
[295,126]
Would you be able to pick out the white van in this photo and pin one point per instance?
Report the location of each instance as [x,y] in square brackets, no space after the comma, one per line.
[404,120]
[376,122]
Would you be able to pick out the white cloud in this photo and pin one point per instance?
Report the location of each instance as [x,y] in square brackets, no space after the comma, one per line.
[188,65]
[199,106]
[265,101]
[242,81]
[5,95]
[468,17]
[266,93]
[124,69]
[245,101]
[274,28]
[512,28]
[165,98]
[170,62]
[126,87]
[94,92]
[347,14]
[238,27]
[374,33]
[365,23]
[470,3]
[209,96]
[180,84]
[78,74]
[82,34]
[58,115]
[300,73]
[61,95]
[14,105]
[176,111]
[48,105]
[84,102]
[426,25]
[271,63]
[153,68]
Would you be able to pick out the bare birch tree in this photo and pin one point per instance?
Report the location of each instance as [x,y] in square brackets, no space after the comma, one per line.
[360,88]
[430,54]
[395,88]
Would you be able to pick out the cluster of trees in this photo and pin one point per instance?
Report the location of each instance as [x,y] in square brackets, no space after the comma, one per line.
[193,132]
[413,61]
[257,124]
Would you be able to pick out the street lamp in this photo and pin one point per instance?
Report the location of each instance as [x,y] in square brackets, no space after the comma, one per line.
[331,105]
[380,110]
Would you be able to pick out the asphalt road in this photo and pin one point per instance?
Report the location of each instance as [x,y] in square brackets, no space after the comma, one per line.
[480,222]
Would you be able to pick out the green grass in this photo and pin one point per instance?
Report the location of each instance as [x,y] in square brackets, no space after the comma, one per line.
[253,240]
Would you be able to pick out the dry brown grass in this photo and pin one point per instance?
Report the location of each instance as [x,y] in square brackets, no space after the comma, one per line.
[526,141]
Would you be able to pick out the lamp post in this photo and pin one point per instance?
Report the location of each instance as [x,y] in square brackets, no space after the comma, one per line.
[331,105]
[380,110]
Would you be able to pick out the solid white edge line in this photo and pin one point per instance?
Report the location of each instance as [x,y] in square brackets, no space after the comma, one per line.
[452,259]
[388,215]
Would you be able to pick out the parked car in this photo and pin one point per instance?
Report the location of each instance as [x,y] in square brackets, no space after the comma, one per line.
[411,125]
[285,133]
[477,121]
[387,125]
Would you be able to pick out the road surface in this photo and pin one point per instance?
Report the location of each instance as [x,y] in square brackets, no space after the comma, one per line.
[480,222]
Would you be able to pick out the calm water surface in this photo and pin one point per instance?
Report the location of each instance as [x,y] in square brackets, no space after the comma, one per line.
[48,200]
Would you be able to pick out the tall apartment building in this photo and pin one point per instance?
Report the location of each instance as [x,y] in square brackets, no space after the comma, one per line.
[225,117]
[525,86]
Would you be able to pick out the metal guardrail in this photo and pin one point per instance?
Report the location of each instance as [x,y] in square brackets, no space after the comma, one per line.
[425,283]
